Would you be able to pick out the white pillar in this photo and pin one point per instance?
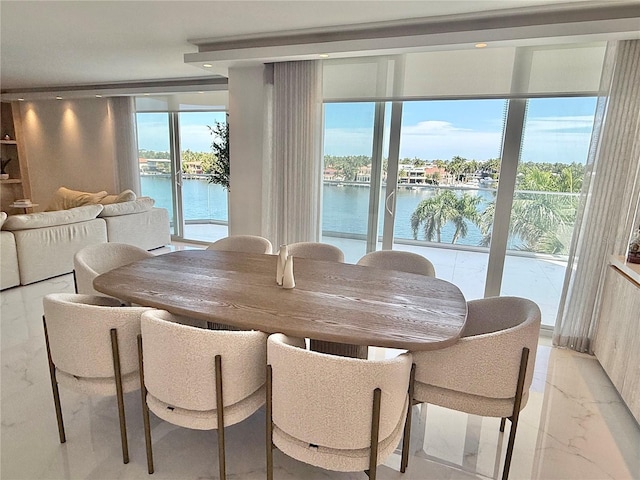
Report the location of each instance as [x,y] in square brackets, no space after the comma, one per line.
[247,98]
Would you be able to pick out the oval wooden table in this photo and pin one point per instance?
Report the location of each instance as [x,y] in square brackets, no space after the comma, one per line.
[331,302]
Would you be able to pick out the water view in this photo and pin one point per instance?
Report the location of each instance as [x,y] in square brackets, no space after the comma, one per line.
[207,203]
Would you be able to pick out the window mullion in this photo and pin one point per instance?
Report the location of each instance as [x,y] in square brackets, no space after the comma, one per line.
[511,146]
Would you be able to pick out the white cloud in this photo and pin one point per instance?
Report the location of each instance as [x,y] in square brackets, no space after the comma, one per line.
[554,124]
[436,139]
[432,127]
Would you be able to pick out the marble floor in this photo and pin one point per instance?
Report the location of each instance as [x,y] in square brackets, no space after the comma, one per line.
[575,425]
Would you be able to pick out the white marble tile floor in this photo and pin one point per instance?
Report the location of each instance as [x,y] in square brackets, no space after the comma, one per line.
[575,425]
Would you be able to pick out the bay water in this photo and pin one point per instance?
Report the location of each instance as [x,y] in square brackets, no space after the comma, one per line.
[345,207]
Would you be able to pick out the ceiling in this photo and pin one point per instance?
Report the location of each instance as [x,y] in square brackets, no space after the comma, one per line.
[49,44]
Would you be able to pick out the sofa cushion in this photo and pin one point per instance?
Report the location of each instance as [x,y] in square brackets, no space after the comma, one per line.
[29,221]
[126,196]
[145,230]
[48,252]
[65,198]
[139,205]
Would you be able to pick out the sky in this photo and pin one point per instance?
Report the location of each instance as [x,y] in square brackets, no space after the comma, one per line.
[556,130]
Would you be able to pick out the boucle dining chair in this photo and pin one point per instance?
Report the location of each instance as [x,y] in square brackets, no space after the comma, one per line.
[100,258]
[185,369]
[316,251]
[488,372]
[91,347]
[337,413]
[400,261]
[242,243]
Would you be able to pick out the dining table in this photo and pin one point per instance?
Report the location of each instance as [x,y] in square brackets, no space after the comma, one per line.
[332,303]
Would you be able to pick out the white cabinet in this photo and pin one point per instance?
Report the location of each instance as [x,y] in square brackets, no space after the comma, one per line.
[617,344]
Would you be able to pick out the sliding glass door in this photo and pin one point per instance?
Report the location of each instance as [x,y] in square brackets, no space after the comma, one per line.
[175,163]
[484,188]
[355,164]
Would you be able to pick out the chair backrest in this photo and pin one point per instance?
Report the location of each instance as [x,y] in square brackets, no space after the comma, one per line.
[179,362]
[327,400]
[78,328]
[400,261]
[316,251]
[97,259]
[486,360]
[242,243]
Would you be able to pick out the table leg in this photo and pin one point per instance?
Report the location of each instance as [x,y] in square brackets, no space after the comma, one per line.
[342,349]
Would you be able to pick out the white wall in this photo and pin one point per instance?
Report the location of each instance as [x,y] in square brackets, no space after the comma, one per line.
[68,143]
[247,93]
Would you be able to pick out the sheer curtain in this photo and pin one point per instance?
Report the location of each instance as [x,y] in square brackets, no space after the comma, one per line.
[294,186]
[122,112]
[609,196]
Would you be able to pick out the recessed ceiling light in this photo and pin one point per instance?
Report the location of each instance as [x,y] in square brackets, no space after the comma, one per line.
[207,65]
[146,94]
[200,92]
[480,45]
[324,55]
[98,96]
[21,99]
[58,98]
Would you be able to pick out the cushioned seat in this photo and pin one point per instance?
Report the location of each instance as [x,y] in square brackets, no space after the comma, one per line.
[400,261]
[488,372]
[334,412]
[95,260]
[316,251]
[242,243]
[91,346]
[186,368]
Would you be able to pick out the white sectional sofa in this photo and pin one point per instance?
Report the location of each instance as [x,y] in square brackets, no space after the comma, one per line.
[41,245]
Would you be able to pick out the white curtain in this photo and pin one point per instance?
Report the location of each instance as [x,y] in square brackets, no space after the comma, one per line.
[294,183]
[609,197]
[122,114]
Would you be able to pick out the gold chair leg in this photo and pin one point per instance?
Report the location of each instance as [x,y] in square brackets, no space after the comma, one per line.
[54,385]
[375,430]
[119,395]
[75,281]
[269,428]
[502,422]
[220,412]
[516,412]
[145,408]
[406,436]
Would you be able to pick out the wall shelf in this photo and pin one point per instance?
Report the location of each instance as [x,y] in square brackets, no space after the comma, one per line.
[631,270]
[17,186]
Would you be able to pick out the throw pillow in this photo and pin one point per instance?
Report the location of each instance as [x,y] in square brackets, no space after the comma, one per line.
[51,219]
[3,217]
[65,198]
[140,205]
[126,196]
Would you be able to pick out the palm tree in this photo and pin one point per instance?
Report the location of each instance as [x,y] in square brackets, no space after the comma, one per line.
[542,221]
[433,213]
[465,209]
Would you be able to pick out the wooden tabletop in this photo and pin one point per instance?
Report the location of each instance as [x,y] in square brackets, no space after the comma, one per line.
[334,302]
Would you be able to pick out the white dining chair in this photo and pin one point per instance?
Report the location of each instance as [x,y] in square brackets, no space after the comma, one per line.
[337,413]
[91,348]
[488,372]
[183,371]
[100,258]
[242,243]
[316,251]
[400,261]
